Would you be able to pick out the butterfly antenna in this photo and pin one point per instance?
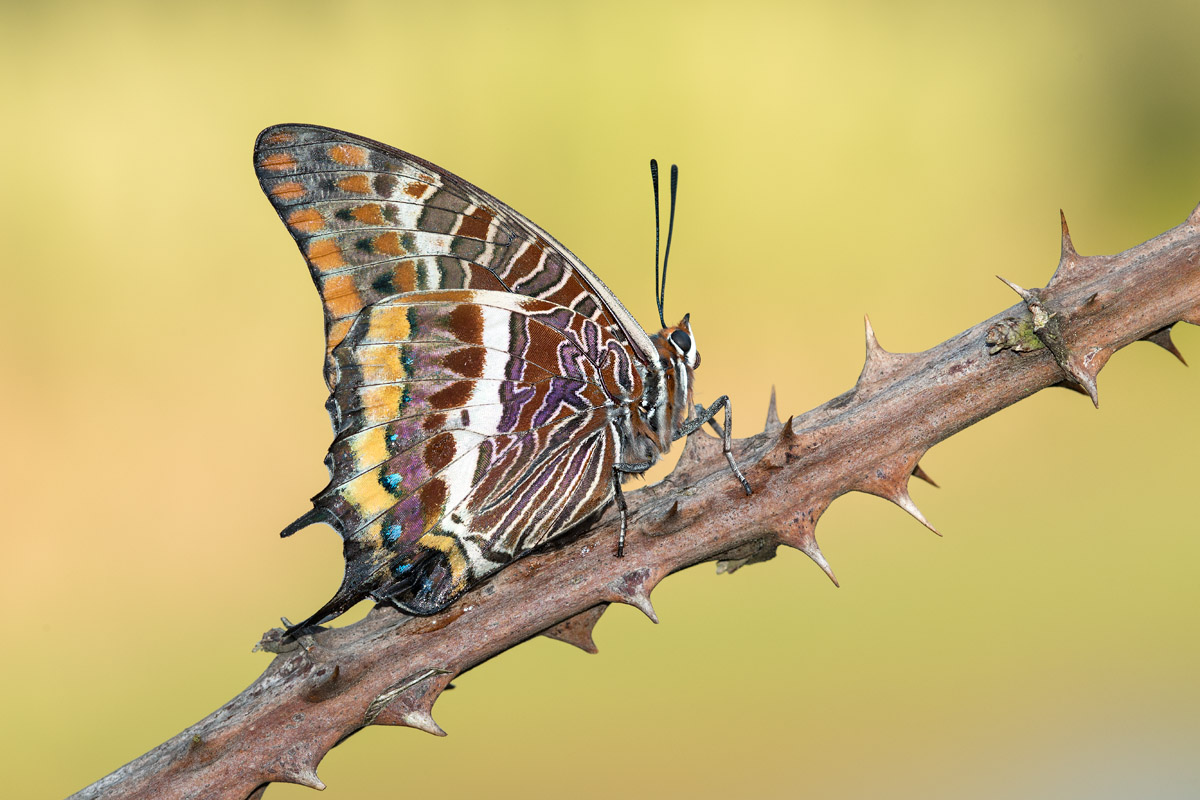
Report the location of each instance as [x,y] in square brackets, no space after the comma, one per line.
[658,297]
[662,294]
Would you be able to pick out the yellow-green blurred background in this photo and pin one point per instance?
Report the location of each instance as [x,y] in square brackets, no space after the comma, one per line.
[162,415]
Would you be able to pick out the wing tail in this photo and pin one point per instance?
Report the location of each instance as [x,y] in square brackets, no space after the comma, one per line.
[312,517]
[357,586]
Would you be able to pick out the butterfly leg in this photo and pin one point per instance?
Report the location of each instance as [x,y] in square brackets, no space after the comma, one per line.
[618,470]
[712,422]
[706,416]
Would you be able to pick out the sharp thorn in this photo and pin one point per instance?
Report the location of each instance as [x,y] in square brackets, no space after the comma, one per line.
[1088,382]
[634,589]
[1068,247]
[389,708]
[304,777]
[773,423]
[1025,294]
[809,548]
[641,601]
[423,721]
[1162,338]
[577,630]
[904,501]
[873,345]
[1073,386]
[923,475]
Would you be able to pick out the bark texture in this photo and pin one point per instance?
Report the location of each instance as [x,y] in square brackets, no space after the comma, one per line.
[389,668]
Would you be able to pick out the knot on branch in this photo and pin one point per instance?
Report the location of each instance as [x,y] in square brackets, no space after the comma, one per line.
[1051,324]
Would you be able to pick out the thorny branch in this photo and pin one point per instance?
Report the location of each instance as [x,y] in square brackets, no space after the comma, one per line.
[389,669]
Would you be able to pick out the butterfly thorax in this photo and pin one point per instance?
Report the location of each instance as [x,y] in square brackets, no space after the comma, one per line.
[666,401]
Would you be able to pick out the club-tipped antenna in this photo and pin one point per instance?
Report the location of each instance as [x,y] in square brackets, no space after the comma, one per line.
[662,292]
[660,286]
[657,290]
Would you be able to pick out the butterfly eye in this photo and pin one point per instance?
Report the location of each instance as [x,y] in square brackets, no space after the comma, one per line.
[681,340]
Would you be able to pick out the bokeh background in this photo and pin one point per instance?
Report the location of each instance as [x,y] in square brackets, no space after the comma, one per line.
[162,415]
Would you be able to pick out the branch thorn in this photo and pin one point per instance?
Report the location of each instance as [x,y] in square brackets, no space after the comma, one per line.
[577,630]
[773,424]
[1085,379]
[641,601]
[398,706]
[874,350]
[809,547]
[923,475]
[1162,338]
[1073,386]
[903,500]
[879,363]
[422,721]
[799,531]
[1068,257]
[1026,295]
[634,590]
[305,776]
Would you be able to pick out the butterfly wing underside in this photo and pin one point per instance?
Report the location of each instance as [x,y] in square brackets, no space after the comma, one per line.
[373,221]
[471,359]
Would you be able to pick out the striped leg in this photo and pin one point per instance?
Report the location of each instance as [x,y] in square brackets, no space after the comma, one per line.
[705,416]
[618,470]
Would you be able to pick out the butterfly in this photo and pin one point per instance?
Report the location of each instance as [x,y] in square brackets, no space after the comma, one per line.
[488,392]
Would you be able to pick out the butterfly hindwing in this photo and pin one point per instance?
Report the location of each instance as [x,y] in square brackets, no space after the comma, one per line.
[471,427]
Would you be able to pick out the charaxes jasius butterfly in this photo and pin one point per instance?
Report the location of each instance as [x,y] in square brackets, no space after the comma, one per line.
[488,392]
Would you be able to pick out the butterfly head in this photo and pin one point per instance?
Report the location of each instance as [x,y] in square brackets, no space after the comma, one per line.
[667,403]
[679,344]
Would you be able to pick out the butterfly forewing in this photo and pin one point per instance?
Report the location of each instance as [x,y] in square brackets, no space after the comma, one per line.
[473,364]
[374,222]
